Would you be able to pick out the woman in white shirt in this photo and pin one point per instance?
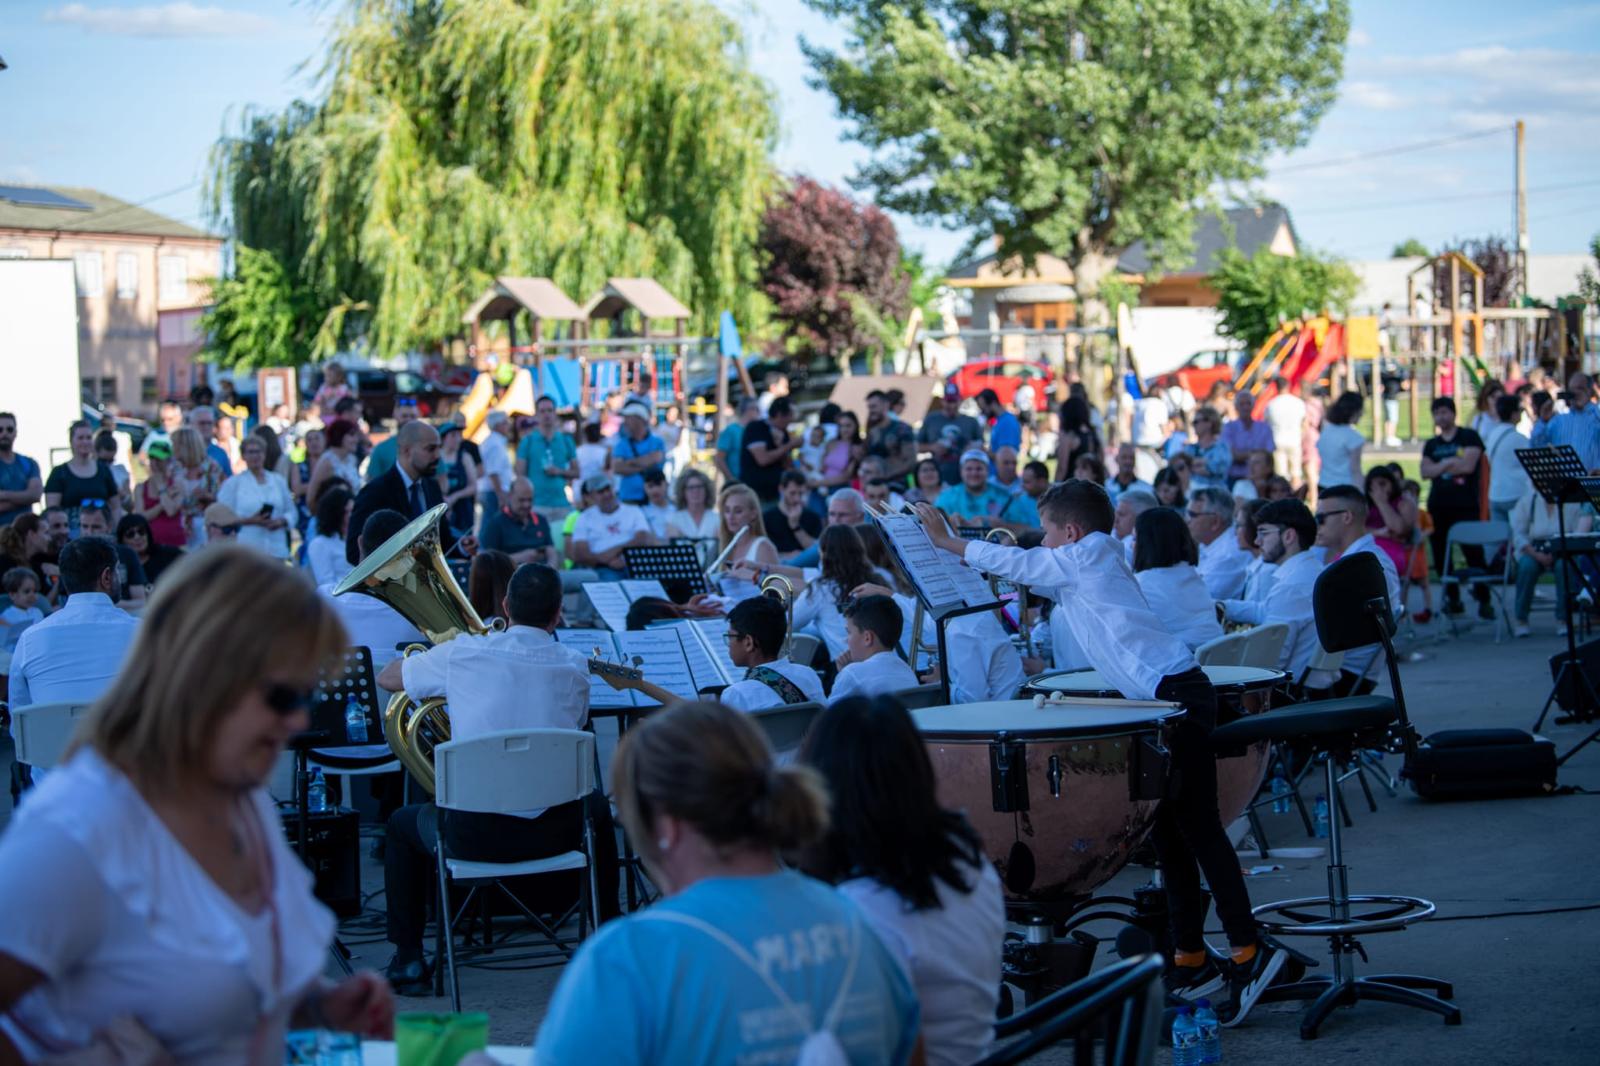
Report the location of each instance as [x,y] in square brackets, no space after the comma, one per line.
[338,460]
[1164,559]
[262,500]
[1508,481]
[1339,446]
[916,870]
[325,554]
[741,513]
[162,908]
[820,605]
[693,517]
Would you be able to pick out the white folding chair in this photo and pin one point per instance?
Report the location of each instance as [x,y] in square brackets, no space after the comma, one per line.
[1265,647]
[1226,650]
[42,731]
[921,696]
[1493,538]
[786,726]
[803,648]
[502,772]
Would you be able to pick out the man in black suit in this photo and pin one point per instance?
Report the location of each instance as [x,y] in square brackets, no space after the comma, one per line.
[411,487]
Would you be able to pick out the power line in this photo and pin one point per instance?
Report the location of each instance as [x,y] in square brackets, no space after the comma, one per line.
[1456,198]
[1380,153]
[99,217]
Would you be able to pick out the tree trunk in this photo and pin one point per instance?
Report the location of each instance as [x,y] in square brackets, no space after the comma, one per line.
[1089,269]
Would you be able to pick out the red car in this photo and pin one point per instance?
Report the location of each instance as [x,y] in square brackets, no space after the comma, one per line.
[1202,370]
[1004,376]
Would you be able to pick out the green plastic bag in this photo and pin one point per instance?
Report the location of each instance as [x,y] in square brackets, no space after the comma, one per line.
[439,1039]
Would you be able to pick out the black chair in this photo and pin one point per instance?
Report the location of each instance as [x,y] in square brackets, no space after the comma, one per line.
[1352,610]
[1121,1005]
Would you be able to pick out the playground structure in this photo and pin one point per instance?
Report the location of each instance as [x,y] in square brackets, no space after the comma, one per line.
[631,337]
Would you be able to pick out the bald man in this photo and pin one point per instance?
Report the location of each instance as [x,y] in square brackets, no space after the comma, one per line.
[411,487]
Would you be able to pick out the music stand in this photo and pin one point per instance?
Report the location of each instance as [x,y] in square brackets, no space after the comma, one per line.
[972,532]
[461,570]
[677,566]
[1559,477]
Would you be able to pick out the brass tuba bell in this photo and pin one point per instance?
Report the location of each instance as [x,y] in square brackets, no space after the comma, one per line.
[410,575]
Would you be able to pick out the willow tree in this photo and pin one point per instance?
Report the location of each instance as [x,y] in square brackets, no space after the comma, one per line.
[462,139]
[1077,127]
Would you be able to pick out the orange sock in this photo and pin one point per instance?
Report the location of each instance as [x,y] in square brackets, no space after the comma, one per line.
[1188,958]
[1244,954]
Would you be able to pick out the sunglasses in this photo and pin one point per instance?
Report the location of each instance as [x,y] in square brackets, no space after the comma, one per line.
[1322,519]
[229,530]
[90,503]
[1197,514]
[284,700]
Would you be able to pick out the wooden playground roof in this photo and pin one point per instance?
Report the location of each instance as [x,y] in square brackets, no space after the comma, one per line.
[540,297]
[644,295]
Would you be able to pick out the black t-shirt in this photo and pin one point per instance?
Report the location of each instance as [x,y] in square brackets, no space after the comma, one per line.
[131,570]
[1453,492]
[762,479]
[100,485]
[782,536]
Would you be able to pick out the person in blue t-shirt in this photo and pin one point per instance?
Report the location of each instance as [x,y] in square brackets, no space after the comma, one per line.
[974,501]
[21,483]
[730,442]
[1005,430]
[635,450]
[743,961]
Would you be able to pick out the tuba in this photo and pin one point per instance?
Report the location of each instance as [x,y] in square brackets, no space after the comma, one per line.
[410,575]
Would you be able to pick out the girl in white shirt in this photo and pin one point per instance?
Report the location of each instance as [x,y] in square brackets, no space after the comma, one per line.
[162,902]
[1339,446]
[1164,558]
[821,604]
[916,870]
[741,513]
[325,552]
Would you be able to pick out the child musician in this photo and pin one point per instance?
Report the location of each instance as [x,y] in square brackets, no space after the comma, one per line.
[1086,570]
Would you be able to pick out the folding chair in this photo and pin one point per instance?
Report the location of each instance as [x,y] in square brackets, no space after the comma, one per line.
[42,731]
[1226,650]
[1120,1005]
[1264,648]
[803,648]
[921,696]
[786,726]
[502,772]
[1494,539]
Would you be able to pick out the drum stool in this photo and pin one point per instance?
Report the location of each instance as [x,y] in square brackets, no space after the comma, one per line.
[1352,609]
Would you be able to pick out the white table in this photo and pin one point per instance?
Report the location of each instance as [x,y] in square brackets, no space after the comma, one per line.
[381,1053]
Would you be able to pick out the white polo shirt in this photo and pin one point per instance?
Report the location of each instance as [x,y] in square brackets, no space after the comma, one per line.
[758,695]
[881,675]
[1102,605]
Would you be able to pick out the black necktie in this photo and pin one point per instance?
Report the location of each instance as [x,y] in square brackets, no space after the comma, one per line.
[417,506]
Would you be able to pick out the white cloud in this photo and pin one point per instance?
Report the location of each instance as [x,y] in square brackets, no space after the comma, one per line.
[160,20]
[1359,38]
[1370,94]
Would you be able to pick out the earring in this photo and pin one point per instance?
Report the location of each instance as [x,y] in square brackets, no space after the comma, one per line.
[661,844]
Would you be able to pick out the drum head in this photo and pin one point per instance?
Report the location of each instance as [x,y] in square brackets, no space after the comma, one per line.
[1243,678]
[980,722]
[1093,682]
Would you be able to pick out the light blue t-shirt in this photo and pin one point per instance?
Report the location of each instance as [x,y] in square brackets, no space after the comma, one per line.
[650,989]
[559,451]
[1023,509]
[730,443]
[957,500]
[630,487]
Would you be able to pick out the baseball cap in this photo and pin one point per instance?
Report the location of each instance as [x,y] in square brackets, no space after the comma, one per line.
[952,391]
[221,515]
[637,410]
[159,449]
[596,482]
[974,455]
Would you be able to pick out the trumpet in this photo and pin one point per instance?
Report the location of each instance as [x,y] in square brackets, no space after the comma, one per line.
[1008,538]
[781,589]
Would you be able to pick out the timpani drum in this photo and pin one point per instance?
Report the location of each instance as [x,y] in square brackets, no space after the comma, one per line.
[1060,795]
[1241,690]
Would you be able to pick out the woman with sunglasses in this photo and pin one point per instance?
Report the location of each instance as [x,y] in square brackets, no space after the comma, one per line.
[133,531]
[163,915]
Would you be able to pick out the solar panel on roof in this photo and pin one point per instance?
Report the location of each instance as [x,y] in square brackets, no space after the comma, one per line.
[22,194]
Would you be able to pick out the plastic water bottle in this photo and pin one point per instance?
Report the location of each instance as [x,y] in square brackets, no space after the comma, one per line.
[317,792]
[1185,1039]
[1205,1019]
[355,723]
[1320,818]
[1280,794]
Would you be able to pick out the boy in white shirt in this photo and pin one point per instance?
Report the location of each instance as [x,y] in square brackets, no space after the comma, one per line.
[756,630]
[870,665]
[1086,570]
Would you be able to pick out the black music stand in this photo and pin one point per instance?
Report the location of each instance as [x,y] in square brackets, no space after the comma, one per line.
[972,532]
[1559,477]
[677,566]
[461,570]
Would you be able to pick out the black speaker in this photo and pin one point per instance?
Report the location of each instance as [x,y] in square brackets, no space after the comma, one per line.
[1588,663]
[333,855]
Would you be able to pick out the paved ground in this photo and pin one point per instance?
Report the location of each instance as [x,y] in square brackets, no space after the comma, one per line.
[1527,985]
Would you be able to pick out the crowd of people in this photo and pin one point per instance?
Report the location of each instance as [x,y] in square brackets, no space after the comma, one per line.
[809,902]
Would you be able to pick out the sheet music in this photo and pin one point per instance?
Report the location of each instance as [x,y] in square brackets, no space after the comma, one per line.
[664,662]
[701,665]
[610,603]
[713,636]
[921,561]
[636,589]
[601,695]
[974,590]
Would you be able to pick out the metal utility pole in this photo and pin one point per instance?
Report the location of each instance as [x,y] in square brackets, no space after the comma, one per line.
[1522,210]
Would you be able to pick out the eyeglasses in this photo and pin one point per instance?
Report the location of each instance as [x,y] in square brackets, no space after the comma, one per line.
[285,700]
[1322,519]
[1267,531]
[730,636]
[229,530]
[1197,514]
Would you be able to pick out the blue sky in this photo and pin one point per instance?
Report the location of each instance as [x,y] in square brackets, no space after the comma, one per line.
[128,96]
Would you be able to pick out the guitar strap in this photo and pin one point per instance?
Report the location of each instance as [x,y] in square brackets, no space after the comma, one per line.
[787,690]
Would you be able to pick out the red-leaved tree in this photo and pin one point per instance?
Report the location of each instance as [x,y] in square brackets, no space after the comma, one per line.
[823,252]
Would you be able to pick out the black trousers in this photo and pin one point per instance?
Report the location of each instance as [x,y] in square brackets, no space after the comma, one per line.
[1188,833]
[1443,519]
[408,864]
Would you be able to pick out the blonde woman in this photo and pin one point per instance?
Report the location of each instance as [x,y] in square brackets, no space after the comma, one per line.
[164,917]
[198,479]
[740,510]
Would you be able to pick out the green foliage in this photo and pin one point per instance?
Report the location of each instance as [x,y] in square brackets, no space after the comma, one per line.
[924,284]
[260,316]
[463,139]
[1117,291]
[1077,127]
[1256,295]
[1588,283]
[1408,248]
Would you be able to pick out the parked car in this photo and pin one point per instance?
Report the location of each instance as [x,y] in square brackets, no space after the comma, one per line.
[1201,371]
[135,428]
[1005,376]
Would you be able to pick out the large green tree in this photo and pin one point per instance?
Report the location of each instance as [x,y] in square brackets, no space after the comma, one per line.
[1077,127]
[461,139]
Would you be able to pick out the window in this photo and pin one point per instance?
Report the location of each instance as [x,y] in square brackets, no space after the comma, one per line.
[148,392]
[174,279]
[108,390]
[13,253]
[127,275]
[91,282]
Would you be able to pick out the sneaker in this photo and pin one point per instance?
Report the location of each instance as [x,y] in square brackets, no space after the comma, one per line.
[1486,611]
[1196,982]
[1422,618]
[1521,629]
[414,978]
[1247,982]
